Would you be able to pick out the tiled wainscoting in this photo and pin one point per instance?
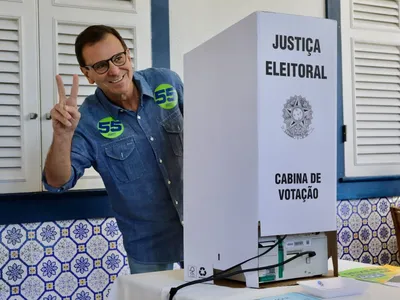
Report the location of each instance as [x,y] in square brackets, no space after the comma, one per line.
[76,260]
[366,232]
[80,259]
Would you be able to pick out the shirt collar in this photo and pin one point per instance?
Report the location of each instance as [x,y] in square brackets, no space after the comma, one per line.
[143,88]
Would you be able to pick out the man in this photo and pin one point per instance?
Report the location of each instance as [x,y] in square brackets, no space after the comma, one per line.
[130,131]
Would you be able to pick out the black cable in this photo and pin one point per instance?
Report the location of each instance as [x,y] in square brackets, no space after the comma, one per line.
[280,240]
[211,277]
[174,290]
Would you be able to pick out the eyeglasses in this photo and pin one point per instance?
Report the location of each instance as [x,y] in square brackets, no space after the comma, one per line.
[102,66]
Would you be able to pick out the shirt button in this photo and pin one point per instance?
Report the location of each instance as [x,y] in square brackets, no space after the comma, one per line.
[151,138]
[169,182]
[138,117]
[182,222]
[121,110]
[160,161]
[176,202]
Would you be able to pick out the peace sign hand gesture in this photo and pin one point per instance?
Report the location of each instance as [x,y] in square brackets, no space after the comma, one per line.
[65,115]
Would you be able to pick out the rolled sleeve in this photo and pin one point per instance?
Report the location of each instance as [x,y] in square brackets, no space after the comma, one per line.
[65,187]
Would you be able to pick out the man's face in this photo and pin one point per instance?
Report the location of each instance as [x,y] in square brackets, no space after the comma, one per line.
[116,80]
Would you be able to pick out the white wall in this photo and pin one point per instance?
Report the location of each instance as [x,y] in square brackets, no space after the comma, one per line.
[194,21]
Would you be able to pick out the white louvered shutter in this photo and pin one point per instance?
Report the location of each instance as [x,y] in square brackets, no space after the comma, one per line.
[59,34]
[116,5]
[19,103]
[371,87]
[376,14]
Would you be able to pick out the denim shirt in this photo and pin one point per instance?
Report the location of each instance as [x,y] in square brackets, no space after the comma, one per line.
[139,156]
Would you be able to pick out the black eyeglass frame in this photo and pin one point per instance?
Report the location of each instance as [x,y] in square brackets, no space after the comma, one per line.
[112,58]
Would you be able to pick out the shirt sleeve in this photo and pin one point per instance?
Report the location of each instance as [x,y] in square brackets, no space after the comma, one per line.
[81,158]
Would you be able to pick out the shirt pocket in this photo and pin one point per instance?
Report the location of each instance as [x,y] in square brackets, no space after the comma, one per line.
[124,160]
[173,125]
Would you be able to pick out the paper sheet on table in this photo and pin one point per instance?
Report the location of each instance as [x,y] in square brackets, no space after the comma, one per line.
[381,274]
[290,296]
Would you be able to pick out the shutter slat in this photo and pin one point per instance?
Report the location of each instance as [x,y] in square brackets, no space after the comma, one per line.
[69,69]
[67,59]
[9,67]
[376,71]
[10,89]
[64,39]
[379,149]
[377,102]
[378,133]
[8,142]
[375,55]
[126,33]
[375,10]
[9,24]
[69,29]
[121,5]
[9,56]
[9,46]
[9,35]
[378,3]
[9,78]
[379,159]
[10,163]
[385,110]
[377,86]
[377,125]
[66,49]
[9,110]
[377,63]
[10,152]
[361,125]
[377,94]
[393,19]
[378,141]
[375,48]
[380,25]
[376,78]
[7,121]
[378,117]
[10,131]
[9,99]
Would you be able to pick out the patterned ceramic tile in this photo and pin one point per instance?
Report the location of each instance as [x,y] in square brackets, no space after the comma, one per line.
[366,232]
[72,259]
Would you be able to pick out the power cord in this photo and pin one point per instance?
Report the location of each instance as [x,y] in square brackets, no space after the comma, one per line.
[219,275]
[174,290]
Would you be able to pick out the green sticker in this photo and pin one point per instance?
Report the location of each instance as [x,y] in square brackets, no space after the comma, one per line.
[110,128]
[166,96]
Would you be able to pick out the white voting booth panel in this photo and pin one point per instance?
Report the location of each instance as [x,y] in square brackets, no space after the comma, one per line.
[260,139]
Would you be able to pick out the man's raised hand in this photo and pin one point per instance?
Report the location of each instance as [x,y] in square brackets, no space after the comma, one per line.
[65,115]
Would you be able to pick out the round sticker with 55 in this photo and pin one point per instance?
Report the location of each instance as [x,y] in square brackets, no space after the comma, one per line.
[110,128]
[166,96]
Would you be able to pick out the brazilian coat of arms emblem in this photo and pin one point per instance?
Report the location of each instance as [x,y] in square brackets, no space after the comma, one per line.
[297,116]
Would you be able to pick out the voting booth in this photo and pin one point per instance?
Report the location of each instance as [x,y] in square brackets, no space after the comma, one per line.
[260,149]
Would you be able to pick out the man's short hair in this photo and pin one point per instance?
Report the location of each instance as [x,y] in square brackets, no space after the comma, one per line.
[92,35]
